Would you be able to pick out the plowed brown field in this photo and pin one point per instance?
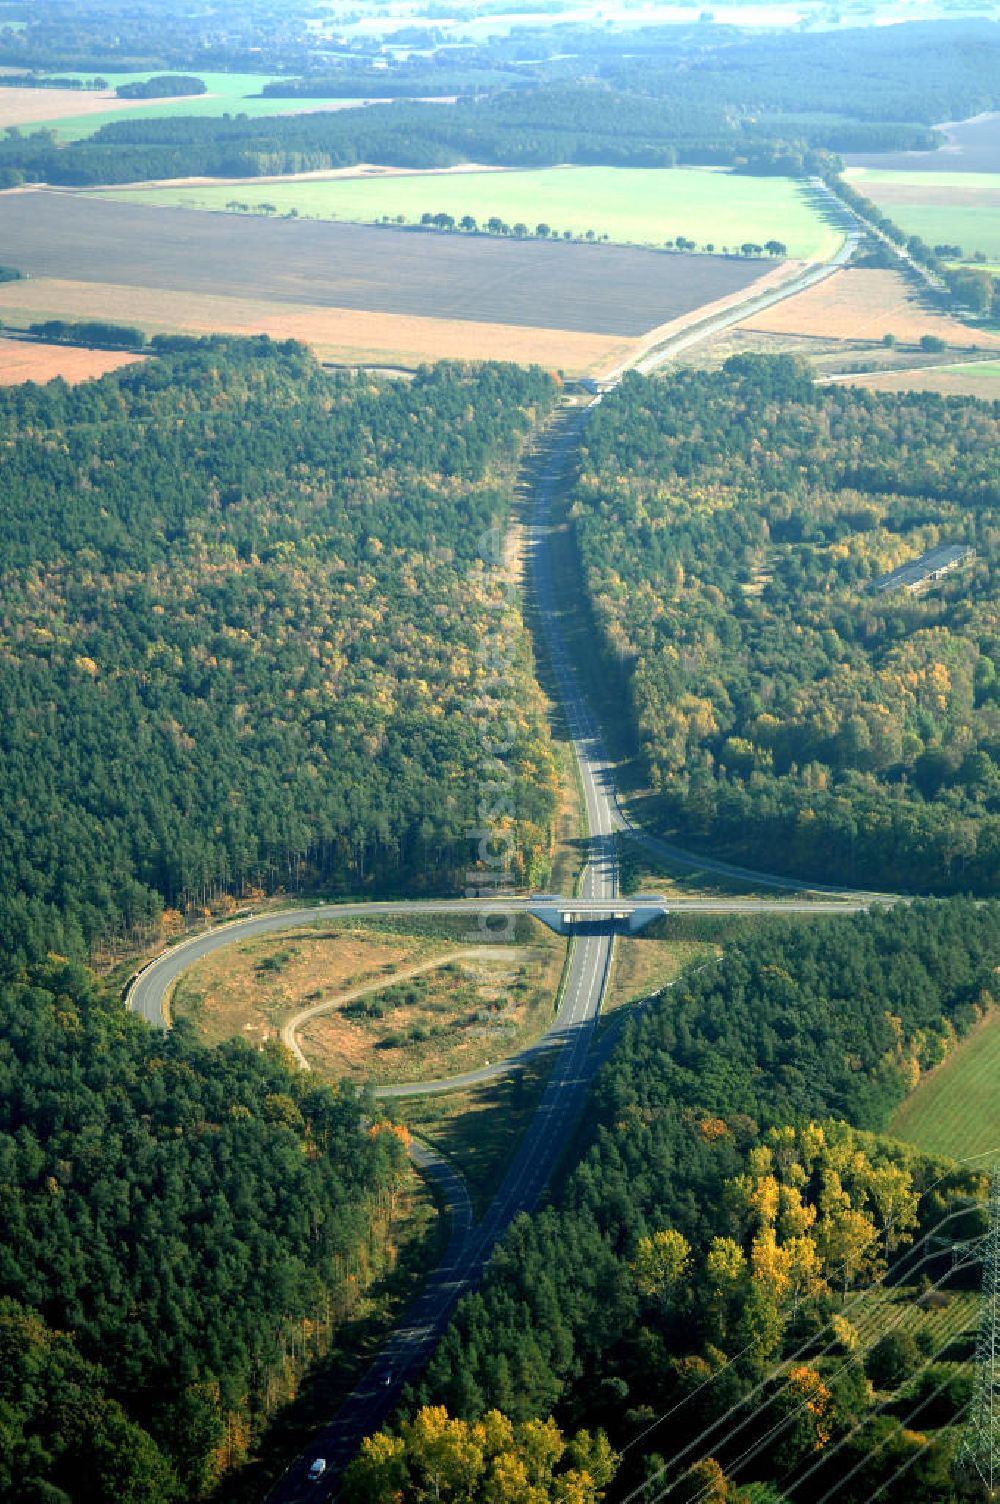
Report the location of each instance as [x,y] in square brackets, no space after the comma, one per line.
[605,290]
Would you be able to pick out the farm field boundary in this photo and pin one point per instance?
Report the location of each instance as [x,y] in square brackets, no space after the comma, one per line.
[343,336]
[607,290]
[645,206]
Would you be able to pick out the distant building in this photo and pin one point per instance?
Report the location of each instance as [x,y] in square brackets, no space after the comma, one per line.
[919,574]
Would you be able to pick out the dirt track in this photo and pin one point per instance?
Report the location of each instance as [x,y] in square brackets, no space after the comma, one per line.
[290,1028]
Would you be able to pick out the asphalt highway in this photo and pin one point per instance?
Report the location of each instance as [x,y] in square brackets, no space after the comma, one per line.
[551,1128]
[570,1038]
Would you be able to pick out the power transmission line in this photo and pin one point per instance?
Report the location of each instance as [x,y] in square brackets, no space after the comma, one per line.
[979,1453]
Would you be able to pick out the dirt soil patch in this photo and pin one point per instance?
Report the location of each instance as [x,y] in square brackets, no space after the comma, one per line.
[21,360]
[247,989]
[473,1008]
[862,304]
[596,289]
[342,335]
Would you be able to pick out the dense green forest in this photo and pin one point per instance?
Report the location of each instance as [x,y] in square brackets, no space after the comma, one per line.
[731,1197]
[581,123]
[243,603]
[647,98]
[162,86]
[731,526]
[180,1230]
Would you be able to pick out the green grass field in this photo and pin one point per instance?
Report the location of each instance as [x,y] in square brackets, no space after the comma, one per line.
[943,208]
[635,205]
[228,94]
[956,1109]
[989,369]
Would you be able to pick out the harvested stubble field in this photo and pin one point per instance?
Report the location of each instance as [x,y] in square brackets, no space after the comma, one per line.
[22,360]
[861,304]
[604,290]
[343,336]
[970,379]
[641,966]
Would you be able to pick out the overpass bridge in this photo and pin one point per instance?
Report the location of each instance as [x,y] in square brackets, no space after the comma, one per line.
[597,916]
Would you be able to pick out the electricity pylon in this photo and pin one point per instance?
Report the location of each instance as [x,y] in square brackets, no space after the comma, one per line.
[979,1452]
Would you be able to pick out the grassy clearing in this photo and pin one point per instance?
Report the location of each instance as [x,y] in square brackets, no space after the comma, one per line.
[480,1129]
[644,872]
[955,1110]
[628,205]
[474,1003]
[642,965]
[473,1008]
[569,845]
